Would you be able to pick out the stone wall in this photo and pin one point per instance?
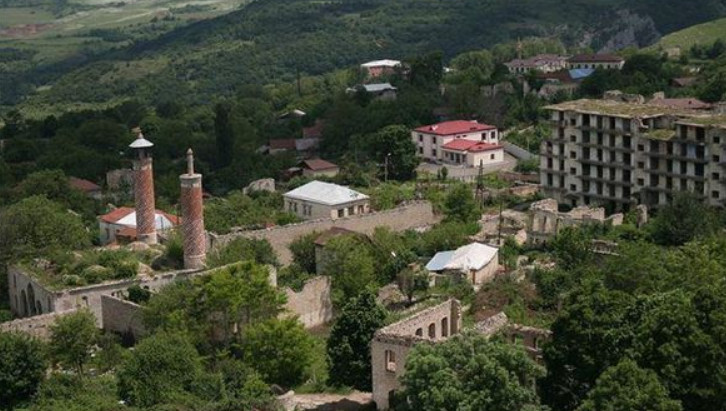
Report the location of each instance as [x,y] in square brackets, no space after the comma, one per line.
[312,304]
[545,221]
[412,215]
[37,326]
[391,344]
[122,317]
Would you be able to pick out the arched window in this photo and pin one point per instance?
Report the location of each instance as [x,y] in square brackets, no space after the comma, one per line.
[419,332]
[432,330]
[445,327]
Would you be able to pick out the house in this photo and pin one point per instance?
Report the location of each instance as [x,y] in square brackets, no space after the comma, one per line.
[302,146]
[121,223]
[88,188]
[545,63]
[476,262]
[317,199]
[596,61]
[318,167]
[314,131]
[377,68]
[431,140]
[379,91]
[567,81]
[472,153]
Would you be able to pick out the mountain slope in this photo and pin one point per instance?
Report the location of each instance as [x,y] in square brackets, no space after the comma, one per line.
[269,40]
[705,33]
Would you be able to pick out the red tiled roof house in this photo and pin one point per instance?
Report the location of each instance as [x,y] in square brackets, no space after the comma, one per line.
[459,142]
[121,222]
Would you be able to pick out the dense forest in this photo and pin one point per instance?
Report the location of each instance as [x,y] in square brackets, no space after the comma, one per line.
[274,40]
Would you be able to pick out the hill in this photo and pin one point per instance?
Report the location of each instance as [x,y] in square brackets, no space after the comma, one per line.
[704,34]
[271,40]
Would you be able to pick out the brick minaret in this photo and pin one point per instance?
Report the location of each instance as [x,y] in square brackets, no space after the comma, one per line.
[144,190]
[195,243]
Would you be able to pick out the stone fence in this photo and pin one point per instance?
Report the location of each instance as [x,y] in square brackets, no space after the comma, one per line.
[122,317]
[411,215]
[37,326]
[312,304]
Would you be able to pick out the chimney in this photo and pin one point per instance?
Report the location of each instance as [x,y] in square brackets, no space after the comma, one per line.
[195,243]
[144,190]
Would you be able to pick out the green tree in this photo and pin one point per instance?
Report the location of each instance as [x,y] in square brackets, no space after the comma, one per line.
[160,368]
[393,145]
[303,251]
[469,372]
[572,248]
[22,368]
[72,339]
[349,345]
[36,226]
[348,261]
[474,66]
[243,249]
[629,387]
[684,219]
[461,206]
[279,349]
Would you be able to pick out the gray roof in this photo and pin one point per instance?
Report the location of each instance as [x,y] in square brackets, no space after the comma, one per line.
[141,142]
[377,87]
[325,193]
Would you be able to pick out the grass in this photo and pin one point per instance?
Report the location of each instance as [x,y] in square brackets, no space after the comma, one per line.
[705,33]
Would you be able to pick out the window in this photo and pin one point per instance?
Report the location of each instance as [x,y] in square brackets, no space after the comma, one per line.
[715,176]
[444,327]
[716,140]
[351,210]
[716,158]
[390,361]
[420,138]
[420,150]
[432,331]
[341,213]
[573,139]
[573,187]
[641,182]
[360,209]
[641,147]
[573,170]
[491,156]
[433,152]
[573,154]
[419,332]
[714,194]
[641,164]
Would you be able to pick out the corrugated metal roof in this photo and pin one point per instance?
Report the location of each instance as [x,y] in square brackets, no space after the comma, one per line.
[469,257]
[325,193]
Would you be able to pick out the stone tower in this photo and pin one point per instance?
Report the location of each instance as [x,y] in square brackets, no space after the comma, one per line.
[144,190]
[195,242]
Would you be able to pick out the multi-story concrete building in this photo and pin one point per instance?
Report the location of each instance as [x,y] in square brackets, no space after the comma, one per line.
[461,142]
[617,154]
[595,61]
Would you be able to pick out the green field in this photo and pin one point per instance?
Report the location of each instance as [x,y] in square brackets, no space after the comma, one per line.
[705,33]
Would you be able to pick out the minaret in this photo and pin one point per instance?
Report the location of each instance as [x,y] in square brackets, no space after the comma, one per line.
[144,190]
[195,243]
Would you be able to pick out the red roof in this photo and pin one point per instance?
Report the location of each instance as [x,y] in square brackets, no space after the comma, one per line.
[283,144]
[83,185]
[318,164]
[469,145]
[455,127]
[596,58]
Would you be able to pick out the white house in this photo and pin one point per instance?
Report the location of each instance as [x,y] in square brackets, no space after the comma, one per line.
[476,262]
[377,68]
[433,142]
[317,199]
[121,222]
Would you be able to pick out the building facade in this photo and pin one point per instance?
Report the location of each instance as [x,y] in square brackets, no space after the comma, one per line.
[545,63]
[436,142]
[596,61]
[618,154]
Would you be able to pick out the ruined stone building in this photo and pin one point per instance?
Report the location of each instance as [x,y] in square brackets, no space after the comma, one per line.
[622,151]
[391,344]
[545,220]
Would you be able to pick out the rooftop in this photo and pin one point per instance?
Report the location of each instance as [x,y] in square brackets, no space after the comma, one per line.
[378,87]
[282,144]
[469,257]
[615,108]
[455,127]
[126,216]
[470,146]
[325,193]
[381,63]
[317,164]
[682,103]
[536,61]
[83,185]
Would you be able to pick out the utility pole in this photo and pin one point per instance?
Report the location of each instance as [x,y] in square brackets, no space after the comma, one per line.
[297,75]
[480,185]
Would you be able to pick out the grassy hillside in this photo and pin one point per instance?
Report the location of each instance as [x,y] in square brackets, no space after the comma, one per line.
[705,33]
[271,40]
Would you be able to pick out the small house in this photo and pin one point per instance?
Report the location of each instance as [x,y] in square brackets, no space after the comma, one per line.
[478,263]
[317,199]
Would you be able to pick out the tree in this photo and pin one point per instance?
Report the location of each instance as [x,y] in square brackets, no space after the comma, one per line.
[160,367]
[279,349]
[22,368]
[72,338]
[629,387]
[36,226]
[475,66]
[461,206]
[349,345]
[587,337]
[469,372]
[348,261]
[223,134]
[410,280]
[303,251]
[243,249]
[572,247]
[681,221]
[393,145]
